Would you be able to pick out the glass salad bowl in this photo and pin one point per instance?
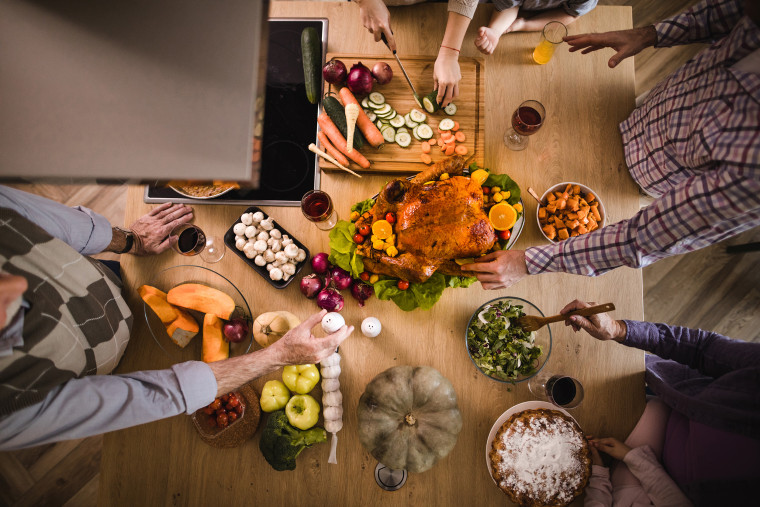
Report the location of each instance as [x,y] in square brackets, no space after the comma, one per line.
[506,353]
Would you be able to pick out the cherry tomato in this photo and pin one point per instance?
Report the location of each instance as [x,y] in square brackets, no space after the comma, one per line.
[358,238]
[225,398]
[505,234]
[232,416]
[486,190]
[239,409]
[232,403]
[364,230]
[222,420]
[390,218]
[216,404]
[208,411]
[364,276]
[402,284]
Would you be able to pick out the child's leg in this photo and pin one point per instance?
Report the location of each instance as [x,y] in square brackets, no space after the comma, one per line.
[650,430]
[488,36]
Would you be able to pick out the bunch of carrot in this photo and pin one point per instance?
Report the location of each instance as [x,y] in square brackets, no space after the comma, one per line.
[447,141]
[335,144]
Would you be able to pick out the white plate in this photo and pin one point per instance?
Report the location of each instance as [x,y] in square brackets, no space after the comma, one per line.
[528,405]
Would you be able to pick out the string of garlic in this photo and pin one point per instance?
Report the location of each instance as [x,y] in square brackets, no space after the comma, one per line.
[332,401]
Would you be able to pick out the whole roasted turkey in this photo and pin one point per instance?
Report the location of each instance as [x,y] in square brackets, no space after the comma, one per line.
[436,222]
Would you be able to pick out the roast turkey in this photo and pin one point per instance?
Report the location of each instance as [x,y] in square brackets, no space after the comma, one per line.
[436,222]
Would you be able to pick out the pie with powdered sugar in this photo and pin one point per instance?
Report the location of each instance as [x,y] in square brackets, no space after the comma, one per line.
[540,458]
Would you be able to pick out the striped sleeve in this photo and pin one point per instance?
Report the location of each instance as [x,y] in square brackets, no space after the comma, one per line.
[701,210]
[706,21]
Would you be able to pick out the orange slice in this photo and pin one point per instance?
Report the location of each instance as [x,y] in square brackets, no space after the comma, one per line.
[479,176]
[382,229]
[502,216]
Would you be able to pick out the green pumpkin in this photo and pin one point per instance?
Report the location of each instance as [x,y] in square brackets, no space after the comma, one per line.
[408,418]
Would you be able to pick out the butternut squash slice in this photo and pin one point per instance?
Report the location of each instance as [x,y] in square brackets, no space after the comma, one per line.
[215,348]
[203,299]
[183,329]
[180,325]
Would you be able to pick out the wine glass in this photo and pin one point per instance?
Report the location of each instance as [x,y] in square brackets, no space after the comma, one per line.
[526,121]
[191,240]
[317,207]
[561,390]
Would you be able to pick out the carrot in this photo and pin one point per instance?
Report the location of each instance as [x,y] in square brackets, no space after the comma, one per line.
[456,126]
[370,131]
[450,150]
[440,142]
[461,150]
[425,147]
[445,135]
[337,139]
[332,150]
[426,158]
[460,136]
[450,140]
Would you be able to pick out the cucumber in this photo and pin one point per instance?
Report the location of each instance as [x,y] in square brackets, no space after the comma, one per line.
[372,116]
[379,124]
[398,121]
[377,98]
[311,53]
[389,134]
[451,109]
[429,102]
[365,103]
[373,105]
[402,129]
[415,134]
[337,114]
[417,116]
[403,139]
[384,109]
[446,124]
[409,122]
[424,131]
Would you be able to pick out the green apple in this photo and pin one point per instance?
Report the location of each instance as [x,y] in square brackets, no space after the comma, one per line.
[300,378]
[274,396]
[302,411]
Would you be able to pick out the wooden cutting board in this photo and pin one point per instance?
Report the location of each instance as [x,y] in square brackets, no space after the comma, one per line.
[470,110]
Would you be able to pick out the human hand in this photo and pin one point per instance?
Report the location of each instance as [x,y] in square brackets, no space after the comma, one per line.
[596,458]
[377,20]
[487,40]
[518,25]
[611,446]
[446,76]
[12,287]
[625,42]
[152,230]
[601,326]
[500,269]
[300,346]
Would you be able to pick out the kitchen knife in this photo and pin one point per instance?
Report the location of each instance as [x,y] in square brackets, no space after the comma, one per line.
[409,81]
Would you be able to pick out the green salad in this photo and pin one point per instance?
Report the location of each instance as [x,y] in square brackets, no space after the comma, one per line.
[499,346]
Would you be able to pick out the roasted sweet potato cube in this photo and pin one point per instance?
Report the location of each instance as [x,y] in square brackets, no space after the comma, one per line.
[590,197]
[583,202]
[572,204]
[572,223]
[568,188]
[551,197]
[582,229]
[574,234]
[550,231]
[582,213]
[561,203]
[572,216]
[595,213]
[576,189]
[541,213]
[562,234]
[558,223]
[551,207]
[558,194]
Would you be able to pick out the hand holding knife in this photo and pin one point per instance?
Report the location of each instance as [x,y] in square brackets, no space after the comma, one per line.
[414,92]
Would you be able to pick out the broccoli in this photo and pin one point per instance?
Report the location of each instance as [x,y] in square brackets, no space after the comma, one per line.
[281,443]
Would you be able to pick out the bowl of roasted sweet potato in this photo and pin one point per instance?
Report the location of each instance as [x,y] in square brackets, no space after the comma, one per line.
[569,209]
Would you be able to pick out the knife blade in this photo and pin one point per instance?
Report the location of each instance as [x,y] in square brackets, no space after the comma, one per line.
[406,76]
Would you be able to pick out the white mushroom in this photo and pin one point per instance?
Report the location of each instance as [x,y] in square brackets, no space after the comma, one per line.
[250,254]
[276,245]
[275,233]
[289,269]
[239,229]
[281,256]
[259,261]
[301,255]
[270,241]
[263,236]
[257,217]
[291,251]
[269,256]
[260,246]
[246,218]
[270,267]
[267,224]
[240,243]
[285,277]
[251,231]
[275,274]
[286,241]
[248,247]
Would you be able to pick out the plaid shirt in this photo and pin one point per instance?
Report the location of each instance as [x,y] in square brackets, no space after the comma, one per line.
[694,145]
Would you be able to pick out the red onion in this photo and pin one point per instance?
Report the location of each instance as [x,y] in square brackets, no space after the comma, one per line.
[382,72]
[361,291]
[334,72]
[359,79]
[235,330]
[319,263]
[311,285]
[341,278]
[330,299]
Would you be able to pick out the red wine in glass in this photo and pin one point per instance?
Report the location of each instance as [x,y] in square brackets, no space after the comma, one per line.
[190,240]
[564,391]
[526,120]
[318,208]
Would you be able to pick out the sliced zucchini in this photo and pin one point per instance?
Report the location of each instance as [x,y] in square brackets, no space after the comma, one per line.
[429,102]
[384,109]
[398,121]
[417,116]
[379,124]
[424,131]
[416,134]
[451,109]
[389,134]
[374,105]
[402,129]
[372,116]
[403,139]
[409,122]
[377,98]
[446,124]
[365,103]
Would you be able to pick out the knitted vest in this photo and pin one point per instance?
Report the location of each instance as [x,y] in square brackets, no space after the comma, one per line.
[78,323]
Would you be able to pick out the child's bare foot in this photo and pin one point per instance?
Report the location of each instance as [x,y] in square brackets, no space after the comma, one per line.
[487,40]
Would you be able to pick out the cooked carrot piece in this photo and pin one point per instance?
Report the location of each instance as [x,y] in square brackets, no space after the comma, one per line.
[425,147]
[461,150]
[426,158]
[456,126]
[450,150]
[460,136]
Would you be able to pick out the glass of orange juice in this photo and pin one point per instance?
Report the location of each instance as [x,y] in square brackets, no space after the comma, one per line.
[551,37]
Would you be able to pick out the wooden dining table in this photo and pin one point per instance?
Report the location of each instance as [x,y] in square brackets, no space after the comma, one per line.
[166,463]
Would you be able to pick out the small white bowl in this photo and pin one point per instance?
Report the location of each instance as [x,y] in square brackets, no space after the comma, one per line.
[561,187]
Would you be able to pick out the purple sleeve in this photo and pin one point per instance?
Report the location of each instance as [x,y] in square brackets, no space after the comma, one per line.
[709,353]
[659,486]
[599,489]
[706,21]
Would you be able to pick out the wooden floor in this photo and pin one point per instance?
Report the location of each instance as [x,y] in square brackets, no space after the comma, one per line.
[709,289]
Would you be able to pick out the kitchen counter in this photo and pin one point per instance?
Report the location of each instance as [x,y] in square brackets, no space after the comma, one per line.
[166,463]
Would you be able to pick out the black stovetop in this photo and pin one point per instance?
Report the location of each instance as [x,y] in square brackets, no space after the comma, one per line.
[288,168]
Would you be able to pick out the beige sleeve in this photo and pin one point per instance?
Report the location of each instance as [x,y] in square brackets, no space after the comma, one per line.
[464,7]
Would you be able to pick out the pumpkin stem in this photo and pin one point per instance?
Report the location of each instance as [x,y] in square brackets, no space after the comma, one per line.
[410,419]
